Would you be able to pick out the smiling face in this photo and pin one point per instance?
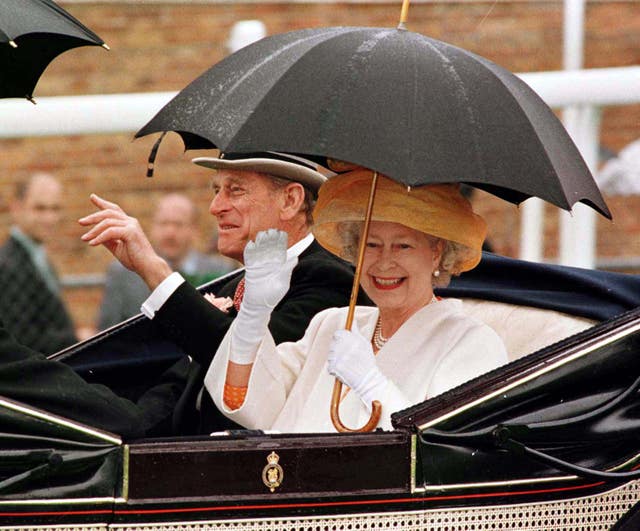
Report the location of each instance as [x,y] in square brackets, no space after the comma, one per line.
[397,268]
[244,203]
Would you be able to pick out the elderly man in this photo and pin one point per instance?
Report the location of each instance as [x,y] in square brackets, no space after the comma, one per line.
[252,193]
[173,234]
[31,305]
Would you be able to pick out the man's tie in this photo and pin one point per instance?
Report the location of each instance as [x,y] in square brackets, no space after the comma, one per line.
[239,293]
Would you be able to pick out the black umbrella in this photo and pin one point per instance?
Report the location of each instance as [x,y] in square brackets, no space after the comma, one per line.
[413,108]
[32,34]
[416,109]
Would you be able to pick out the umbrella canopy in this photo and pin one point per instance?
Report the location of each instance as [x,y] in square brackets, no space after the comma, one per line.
[32,34]
[413,108]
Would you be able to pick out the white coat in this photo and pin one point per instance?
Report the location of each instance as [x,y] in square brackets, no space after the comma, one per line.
[436,349]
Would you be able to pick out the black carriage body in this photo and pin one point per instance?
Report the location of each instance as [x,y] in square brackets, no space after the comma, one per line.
[455,461]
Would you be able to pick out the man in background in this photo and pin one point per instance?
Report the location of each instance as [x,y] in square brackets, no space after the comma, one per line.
[31,305]
[173,234]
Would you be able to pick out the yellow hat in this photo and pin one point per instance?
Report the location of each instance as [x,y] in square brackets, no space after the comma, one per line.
[436,209]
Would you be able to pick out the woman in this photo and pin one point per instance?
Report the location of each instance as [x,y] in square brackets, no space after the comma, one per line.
[411,346]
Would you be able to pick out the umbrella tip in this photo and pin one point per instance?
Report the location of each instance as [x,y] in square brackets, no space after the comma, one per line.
[404,15]
[13,44]
[106,46]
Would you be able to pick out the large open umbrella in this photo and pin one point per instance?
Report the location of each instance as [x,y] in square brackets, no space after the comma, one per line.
[32,34]
[416,109]
[413,108]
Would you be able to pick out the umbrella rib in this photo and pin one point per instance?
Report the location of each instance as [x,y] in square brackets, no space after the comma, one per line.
[463,95]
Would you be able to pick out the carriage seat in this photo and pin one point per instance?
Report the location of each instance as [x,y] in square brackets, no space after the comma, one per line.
[524,329]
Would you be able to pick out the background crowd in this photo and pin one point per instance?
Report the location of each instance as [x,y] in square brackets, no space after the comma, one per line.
[32,305]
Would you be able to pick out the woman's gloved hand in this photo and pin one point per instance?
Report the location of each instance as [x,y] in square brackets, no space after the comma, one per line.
[267,277]
[352,361]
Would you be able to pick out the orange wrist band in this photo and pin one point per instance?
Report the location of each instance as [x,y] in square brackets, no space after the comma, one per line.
[233,397]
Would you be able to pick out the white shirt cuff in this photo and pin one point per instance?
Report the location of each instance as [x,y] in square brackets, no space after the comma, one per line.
[160,295]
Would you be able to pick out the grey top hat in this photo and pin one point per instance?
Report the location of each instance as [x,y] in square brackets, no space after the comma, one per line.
[285,165]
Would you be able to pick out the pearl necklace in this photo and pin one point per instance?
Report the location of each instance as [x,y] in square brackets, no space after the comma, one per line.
[378,339]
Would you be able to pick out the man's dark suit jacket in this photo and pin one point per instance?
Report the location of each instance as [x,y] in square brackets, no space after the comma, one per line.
[320,280]
[34,314]
[27,376]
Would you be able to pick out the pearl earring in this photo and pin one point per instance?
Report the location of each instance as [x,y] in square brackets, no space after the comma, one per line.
[436,273]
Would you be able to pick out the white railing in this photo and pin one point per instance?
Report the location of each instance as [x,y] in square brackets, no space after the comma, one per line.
[124,113]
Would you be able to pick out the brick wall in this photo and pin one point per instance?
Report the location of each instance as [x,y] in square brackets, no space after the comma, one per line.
[156,47]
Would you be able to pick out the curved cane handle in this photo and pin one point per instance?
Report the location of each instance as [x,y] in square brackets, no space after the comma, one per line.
[376,407]
[376,412]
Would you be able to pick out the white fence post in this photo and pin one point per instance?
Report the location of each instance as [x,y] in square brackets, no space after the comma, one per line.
[531,230]
[578,229]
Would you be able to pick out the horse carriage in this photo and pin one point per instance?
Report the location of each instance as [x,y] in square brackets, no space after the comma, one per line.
[549,441]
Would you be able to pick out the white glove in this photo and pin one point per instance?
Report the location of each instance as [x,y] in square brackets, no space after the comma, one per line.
[352,361]
[266,281]
[267,271]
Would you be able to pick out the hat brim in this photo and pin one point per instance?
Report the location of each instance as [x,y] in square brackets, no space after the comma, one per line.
[438,210]
[278,168]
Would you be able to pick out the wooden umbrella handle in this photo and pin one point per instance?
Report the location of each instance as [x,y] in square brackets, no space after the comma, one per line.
[376,412]
[376,407]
